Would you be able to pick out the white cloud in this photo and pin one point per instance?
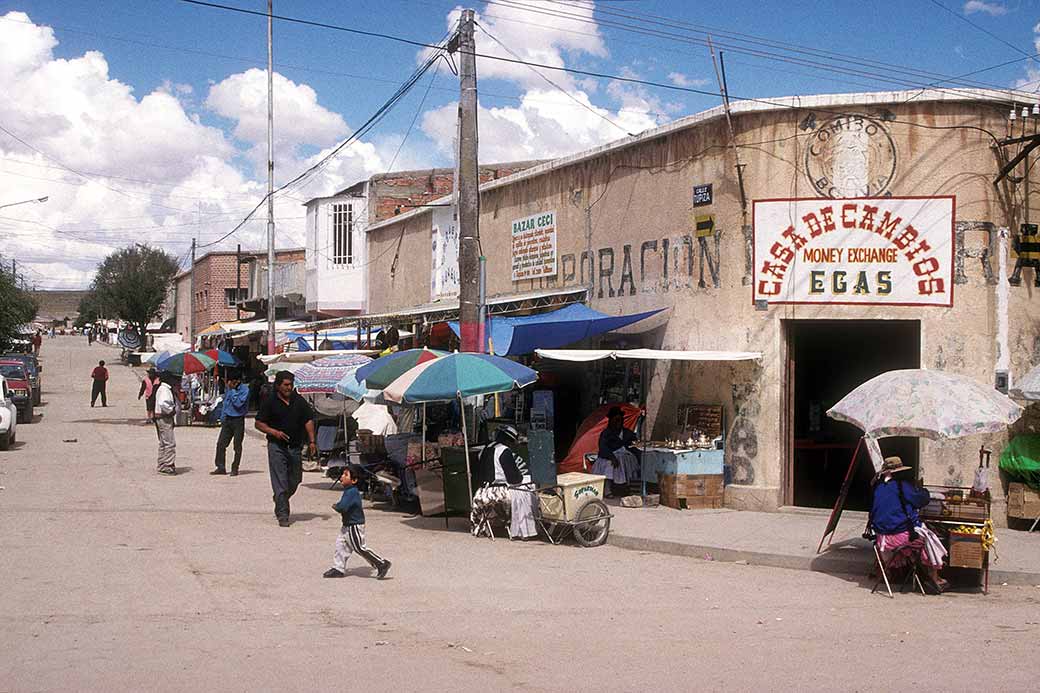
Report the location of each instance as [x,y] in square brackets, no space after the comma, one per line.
[547,123]
[1031,82]
[993,9]
[681,80]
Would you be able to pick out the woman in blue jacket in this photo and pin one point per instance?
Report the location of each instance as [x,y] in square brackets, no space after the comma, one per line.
[894,518]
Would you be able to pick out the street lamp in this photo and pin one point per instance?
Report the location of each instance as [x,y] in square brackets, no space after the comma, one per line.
[23,202]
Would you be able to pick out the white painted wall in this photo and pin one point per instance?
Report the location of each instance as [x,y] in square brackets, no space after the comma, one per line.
[335,287]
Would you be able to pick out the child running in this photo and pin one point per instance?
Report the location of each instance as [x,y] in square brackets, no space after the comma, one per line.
[352,535]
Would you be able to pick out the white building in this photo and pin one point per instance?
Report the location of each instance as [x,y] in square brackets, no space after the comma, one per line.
[336,263]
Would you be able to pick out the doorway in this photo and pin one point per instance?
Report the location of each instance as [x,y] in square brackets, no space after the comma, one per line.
[827,359]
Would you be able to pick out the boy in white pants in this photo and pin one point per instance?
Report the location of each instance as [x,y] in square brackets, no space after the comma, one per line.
[352,535]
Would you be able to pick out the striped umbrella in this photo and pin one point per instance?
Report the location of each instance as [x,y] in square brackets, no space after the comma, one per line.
[187,362]
[223,358]
[322,375]
[387,369]
[458,375]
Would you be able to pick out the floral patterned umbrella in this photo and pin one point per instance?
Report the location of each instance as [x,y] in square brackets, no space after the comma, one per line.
[925,404]
[321,376]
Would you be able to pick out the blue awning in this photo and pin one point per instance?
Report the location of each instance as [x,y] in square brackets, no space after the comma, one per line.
[512,336]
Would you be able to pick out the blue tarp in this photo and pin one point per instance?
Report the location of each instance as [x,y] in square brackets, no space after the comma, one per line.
[512,336]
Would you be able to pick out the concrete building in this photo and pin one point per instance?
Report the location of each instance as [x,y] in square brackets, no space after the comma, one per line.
[864,235]
[218,289]
[337,258]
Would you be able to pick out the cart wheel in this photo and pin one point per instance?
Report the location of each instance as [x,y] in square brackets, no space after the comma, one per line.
[595,531]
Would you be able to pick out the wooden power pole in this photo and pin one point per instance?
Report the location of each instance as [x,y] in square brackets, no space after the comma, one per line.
[270,177]
[469,184]
[191,290]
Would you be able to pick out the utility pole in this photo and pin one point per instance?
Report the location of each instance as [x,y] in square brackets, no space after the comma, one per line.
[469,184]
[191,290]
[270,176]
[238,282]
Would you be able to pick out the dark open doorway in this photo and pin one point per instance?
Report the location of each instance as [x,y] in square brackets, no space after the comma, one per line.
[826,360]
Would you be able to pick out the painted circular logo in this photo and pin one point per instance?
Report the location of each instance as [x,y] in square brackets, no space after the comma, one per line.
[851,156]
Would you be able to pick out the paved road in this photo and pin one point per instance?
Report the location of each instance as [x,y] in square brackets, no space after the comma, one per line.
[116,578]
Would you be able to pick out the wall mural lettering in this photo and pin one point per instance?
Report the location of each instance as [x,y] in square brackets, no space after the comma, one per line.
[742,441]
[663,265]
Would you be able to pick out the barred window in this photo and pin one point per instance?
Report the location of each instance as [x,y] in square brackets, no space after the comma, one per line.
[343,234]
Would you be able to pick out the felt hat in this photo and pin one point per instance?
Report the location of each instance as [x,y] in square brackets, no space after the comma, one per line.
[893,465]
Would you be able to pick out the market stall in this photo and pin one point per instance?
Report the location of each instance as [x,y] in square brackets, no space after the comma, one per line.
[935,405]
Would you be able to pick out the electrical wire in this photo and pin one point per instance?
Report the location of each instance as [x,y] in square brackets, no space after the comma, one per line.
[983,29]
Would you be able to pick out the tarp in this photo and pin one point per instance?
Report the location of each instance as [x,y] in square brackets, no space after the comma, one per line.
[512,336]
[308,356]
[1020,460]
[649,354]
[586,440]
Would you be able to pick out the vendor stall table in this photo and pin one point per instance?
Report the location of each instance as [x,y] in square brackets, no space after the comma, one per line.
[659,461]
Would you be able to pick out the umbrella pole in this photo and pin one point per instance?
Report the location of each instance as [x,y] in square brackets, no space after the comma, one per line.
[465,448]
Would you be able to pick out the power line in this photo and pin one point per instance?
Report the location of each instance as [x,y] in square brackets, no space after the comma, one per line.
[981,28]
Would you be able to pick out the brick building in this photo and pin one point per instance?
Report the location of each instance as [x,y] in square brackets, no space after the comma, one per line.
[216,292]
[336,274]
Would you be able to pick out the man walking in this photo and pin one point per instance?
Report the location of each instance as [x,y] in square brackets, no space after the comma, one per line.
[165,408]
[285,417]
[233,423]
[100,377]
[37,342]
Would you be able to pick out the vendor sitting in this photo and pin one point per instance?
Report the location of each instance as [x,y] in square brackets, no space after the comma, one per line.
[617,459]
[894,517]
[499,471]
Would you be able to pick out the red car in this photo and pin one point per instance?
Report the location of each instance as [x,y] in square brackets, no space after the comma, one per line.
[20,388]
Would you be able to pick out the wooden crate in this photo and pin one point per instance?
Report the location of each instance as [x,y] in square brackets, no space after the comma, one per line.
[689,491]
[1023,501]
[966,550]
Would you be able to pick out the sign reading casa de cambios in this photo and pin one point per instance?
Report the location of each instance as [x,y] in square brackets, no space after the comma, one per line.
[886,250]
[534,246]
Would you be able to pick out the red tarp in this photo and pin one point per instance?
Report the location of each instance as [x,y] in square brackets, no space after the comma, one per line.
[587,438]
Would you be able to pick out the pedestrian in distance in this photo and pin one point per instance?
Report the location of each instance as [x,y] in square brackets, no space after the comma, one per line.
[232,423]
[286,419]
[165,413]
[351,537]
[148,387]
[100,377]
[37,342]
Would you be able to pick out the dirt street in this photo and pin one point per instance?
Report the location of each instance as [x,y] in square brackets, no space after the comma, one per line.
[117,578]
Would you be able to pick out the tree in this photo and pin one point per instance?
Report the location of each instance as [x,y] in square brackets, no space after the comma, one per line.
[17,308]
[131,285]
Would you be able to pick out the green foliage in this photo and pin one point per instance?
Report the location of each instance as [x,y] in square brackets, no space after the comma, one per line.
[17,308]
[131,284]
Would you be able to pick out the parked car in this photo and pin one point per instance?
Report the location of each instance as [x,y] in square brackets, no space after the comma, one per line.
[34,367]
[18,386]
[8,416]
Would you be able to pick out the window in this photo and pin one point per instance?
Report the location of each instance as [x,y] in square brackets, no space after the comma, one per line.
[343,234]
[229,297]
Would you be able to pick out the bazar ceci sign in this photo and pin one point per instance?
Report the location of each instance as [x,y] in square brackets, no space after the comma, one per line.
[888,250]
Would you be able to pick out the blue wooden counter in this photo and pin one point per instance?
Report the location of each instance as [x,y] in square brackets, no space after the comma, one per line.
[664,461]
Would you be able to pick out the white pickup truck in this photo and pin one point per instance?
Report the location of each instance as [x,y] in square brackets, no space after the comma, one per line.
[8,416]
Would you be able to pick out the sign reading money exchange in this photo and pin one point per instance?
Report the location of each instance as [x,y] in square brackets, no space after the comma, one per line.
[534,246]
[887,250]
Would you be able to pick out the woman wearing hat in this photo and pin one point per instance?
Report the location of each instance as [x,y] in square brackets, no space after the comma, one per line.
[894,517]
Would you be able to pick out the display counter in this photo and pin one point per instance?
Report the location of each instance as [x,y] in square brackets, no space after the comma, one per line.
[659,461]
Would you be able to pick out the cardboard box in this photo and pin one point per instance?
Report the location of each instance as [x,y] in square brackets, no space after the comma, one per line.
[691,491]
[966,551]
[1023,501]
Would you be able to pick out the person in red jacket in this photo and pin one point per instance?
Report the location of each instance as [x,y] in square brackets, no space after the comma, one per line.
[100,378]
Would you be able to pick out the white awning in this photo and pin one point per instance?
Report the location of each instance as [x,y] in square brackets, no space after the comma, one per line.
[649,354]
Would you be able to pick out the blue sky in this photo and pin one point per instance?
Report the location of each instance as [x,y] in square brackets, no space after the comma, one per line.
[155,99]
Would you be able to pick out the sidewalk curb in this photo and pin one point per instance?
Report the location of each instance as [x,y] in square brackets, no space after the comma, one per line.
[823,563]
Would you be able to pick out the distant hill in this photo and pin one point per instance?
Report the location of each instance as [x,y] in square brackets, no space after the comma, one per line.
[56,305]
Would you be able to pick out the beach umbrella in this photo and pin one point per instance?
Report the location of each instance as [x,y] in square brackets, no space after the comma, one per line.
[322,375]
[1029,387]
[348,386]
[187,362]
[387,369]
[458,375]
[925,404]
[157,357]
[223,358]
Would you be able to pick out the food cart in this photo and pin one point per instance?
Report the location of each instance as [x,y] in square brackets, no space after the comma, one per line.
[962,520]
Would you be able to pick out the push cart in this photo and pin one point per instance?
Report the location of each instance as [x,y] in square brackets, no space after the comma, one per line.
[574,505]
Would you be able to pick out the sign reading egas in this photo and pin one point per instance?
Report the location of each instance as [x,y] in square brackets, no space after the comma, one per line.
[887,250]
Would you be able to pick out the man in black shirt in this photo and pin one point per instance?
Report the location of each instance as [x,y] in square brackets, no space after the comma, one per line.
[285,417]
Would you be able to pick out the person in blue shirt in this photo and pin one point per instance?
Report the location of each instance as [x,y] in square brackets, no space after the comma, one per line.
[352,534]
[894,518]
[233,423]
